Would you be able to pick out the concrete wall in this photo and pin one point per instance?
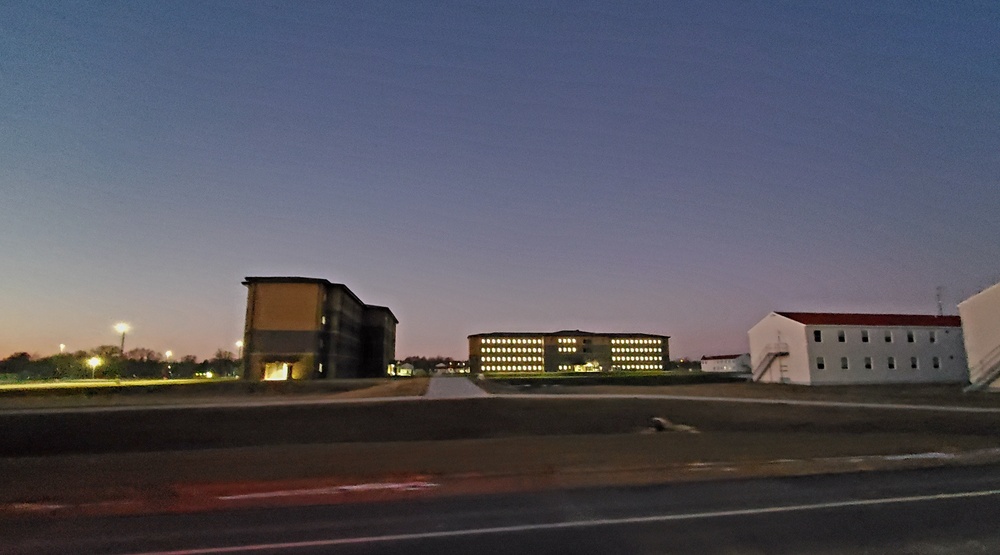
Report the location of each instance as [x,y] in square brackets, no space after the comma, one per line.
[776,329]
[282,324]
[981,332]
[947,347]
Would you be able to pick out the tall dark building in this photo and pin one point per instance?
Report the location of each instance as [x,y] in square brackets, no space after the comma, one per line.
[301,328]
[567,351]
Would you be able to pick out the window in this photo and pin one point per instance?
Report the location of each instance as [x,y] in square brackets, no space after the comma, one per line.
[843,363]
[864,336]
[909,336]
[841,338]
[936,362]
[818,336]
[892,363]
[820,363]
[868,363]
[933,336]
[913,363]
[888,336]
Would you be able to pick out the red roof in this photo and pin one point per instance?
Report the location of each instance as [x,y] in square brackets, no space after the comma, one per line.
[902,320]
[721,357]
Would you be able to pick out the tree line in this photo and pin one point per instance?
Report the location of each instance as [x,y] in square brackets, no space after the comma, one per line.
[136,363]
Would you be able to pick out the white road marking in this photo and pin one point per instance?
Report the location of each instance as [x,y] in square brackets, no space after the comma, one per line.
[372,486]
[574,524]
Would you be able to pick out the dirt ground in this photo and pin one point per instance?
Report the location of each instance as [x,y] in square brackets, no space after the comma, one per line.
[182,458]
[128,395]
[898,394]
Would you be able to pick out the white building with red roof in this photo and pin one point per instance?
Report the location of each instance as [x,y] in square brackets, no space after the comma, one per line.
[726,363]
[981,330]
[820,348]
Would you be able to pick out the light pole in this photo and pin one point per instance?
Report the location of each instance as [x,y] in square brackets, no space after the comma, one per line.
[93,363]
[122,328]
[239,348]
[62,348]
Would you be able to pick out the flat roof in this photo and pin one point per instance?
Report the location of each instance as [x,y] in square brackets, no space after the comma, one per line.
[565,333]
[318,281]
[722,357]
[854,319]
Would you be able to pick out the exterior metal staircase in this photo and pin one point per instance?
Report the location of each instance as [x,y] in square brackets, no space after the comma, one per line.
[774,350]
[991,365]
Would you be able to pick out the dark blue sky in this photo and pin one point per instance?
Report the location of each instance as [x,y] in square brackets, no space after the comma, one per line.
[662,167]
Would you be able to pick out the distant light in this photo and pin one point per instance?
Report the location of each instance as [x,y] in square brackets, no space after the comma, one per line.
[208,374]
[62,347]
[122,327]
[239,344]
[168,354]
[94,362]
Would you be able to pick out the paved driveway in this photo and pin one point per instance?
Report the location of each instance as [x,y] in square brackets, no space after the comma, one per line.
[453,388]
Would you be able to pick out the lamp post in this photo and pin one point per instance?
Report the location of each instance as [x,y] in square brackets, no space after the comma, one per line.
[93,363]
[62,348]
[122,328]
[239,348]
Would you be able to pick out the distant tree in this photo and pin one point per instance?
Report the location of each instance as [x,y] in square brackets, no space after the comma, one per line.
[189,359]
[426,363]
[144,354]
[222,354]
[106,352]
[17,363]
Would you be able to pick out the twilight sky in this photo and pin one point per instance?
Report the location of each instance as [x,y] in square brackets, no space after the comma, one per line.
[660,167]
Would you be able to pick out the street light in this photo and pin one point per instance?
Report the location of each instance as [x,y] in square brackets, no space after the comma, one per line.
[62,348]
[239,347]
[122,328]
[93,363]
[168,354]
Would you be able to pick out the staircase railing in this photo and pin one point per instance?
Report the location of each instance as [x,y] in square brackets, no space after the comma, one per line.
[991,371]
[773,351]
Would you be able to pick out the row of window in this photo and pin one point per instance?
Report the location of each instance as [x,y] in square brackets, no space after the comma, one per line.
[567,349]
[635,349]
[635,341]
[866,337]
[614,358]
[512,340]
[513,368]
[640,367]
[567,340]
[512,359]
[512,349]
[845,363]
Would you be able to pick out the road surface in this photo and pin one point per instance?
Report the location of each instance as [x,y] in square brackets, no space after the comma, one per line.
[948,510]
[453,388]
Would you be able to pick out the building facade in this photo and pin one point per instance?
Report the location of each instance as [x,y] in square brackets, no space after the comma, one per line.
[981,331]
[726,363]
[307,328]
[827,348]
[567,351]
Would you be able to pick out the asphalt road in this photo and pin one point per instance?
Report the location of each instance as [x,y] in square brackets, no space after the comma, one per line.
[453,388]
[953,511]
